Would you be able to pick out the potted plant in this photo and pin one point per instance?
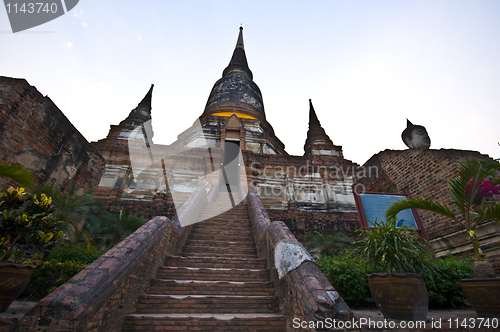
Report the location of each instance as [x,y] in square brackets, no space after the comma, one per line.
[399,258]
[26,225]
[469,195]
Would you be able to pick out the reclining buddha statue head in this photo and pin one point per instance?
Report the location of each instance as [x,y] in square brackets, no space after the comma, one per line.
[415,137]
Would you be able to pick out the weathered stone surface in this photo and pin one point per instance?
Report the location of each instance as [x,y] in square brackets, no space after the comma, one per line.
[35,134]
[304,291]
[288,255]
[99,297]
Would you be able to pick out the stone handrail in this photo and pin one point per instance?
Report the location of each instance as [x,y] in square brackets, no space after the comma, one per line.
[101,295]
[305,293]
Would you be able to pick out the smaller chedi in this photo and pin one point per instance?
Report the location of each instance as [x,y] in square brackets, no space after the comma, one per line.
[415,137]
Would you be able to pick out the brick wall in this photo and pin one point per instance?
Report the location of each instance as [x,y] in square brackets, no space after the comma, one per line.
[147,208]
[304,292]
[302,223]
[425,173]
[35,134]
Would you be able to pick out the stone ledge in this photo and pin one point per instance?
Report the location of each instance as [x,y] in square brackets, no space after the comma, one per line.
[304,291]
[87,291]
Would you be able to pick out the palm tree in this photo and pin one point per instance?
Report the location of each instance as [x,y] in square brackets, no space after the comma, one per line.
[464,192]
[17,173]
[73,208]
[323,244]
[113,227]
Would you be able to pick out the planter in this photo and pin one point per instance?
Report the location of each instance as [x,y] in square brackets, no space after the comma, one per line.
[483,294]
[13,280]
[400,296]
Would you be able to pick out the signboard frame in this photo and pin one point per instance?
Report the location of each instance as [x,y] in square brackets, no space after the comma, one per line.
[363,222]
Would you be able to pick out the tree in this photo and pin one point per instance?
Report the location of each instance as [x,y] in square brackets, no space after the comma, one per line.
[324,244]
[74,208]
[113,227]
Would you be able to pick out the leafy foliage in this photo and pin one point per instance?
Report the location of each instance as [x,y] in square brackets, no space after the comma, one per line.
[78,254]
[48,276]
[347,273]
[74,208]
[388,248]
[446,292]
[111,228]
[63,263]
[323,244]
[17,173]
[26,222]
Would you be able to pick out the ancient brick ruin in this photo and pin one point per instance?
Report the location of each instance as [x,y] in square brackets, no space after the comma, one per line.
[35,134]
[231,171]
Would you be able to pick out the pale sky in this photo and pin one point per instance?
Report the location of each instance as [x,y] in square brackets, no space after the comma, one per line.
[366,65]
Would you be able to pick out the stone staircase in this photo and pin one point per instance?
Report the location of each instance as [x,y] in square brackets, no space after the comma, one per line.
[218,283]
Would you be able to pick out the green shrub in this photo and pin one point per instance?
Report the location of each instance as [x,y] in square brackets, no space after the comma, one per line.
[48,276]
[324,244]
[388,248]
[446,291]
[347,273]
[62,264]
[76,254]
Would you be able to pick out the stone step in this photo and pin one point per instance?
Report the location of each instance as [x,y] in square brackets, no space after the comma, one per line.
[223,230]
[241,209]
[169,304]
[205,322]
[219,243]
[188,250]
[221,237]
[215,262]
[221,233]
[226,221]
[235,223]
[243,231]
[212,274]
[220,255]
[217,283]
[228,215]
[200,287]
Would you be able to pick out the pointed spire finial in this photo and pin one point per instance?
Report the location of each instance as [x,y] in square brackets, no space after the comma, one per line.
[239,43]
[239,60]
[142,112]
[146,101]
[317,141]
[313,118]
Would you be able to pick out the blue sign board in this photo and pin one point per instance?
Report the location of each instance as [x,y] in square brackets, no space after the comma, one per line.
[375,206]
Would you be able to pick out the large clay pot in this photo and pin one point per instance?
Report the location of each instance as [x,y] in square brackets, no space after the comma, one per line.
[483,294]
[400,296]
[13,280]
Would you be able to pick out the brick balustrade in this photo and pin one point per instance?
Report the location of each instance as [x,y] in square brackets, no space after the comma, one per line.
[101,295]
[304,292]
